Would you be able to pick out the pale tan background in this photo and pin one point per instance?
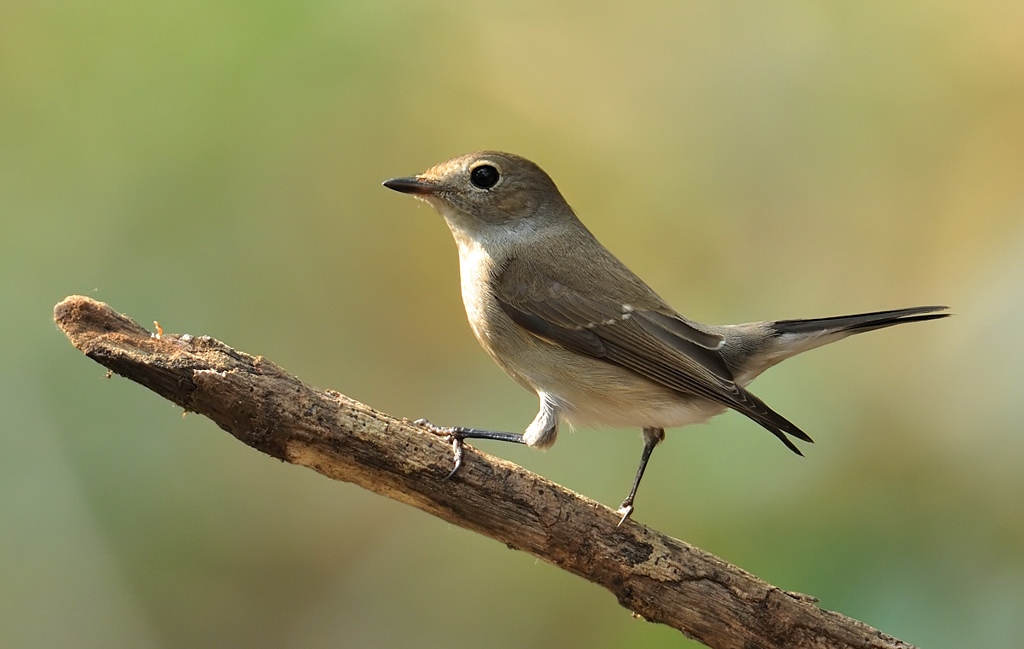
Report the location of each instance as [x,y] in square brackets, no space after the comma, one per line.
[216,166]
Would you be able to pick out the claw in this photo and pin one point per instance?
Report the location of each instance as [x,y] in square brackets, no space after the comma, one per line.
[450,436]
[626,510]
[457,452]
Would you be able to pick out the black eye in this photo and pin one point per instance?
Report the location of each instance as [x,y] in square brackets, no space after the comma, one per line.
[484,177]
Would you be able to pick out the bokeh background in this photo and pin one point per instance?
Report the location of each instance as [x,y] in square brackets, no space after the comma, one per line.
[216,166]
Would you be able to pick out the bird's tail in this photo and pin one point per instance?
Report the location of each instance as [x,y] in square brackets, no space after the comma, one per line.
[787,338]
[851,324]
[791,337]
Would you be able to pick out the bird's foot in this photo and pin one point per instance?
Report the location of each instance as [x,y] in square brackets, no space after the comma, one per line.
[626,510]
[452,435]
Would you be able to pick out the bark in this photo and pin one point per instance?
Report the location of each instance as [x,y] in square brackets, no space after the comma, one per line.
[654,575]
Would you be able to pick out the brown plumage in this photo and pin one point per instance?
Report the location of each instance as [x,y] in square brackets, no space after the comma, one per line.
[570,322]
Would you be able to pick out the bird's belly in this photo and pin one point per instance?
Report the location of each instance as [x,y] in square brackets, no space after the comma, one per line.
[593,392]
[623,399]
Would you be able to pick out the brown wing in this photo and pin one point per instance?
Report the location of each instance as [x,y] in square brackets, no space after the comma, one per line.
[647,338]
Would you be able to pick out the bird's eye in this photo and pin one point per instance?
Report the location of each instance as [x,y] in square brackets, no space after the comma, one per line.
[484,177]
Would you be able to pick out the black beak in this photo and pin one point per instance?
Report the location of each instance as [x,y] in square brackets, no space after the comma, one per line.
[412,185]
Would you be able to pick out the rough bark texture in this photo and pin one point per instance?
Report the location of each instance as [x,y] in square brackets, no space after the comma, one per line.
[656,576]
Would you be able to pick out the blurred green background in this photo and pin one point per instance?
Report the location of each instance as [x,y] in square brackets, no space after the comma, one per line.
[216,166]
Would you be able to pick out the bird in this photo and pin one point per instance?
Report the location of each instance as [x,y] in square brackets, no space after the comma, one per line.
[567,320]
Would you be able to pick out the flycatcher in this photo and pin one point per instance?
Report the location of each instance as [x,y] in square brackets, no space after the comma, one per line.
[568,321]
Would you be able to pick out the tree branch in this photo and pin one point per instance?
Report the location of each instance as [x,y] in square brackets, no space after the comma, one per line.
[656,576]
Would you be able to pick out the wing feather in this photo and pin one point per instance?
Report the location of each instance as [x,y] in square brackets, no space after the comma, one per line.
[656,343]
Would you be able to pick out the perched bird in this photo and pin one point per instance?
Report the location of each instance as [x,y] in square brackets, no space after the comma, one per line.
[568,321]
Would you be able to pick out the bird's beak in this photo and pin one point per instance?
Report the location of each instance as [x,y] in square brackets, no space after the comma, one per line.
[412,185]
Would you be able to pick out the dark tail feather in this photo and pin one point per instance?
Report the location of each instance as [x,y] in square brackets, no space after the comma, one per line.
[819,331]
[775,423]
[861,321]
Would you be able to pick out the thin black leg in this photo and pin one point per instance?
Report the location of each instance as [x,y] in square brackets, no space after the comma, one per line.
[458,433]
[652,437]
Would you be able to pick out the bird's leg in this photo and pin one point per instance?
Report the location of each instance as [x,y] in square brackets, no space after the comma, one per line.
[541,433]
[456,434]
[652,437]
